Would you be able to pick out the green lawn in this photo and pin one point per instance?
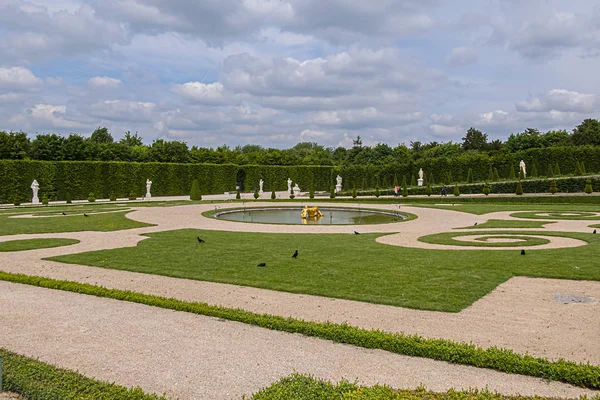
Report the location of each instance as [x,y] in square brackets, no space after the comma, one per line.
[69,223]
[480,209]
[30,244]
[344,266]
[581,215]
[448,238]
[502,223]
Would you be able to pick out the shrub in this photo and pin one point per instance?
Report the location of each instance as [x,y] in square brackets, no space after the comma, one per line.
[68,197]
[588,186]
[256,195]
[311,193]
[550,172]
[578,169]
[413,181]
[45,200]
[553,188]
[377,192]
[195,193]
[91,197]
[557,170]
[491,174]
[354,192]
[521,173]
[16,200]
[238,195]
[456,191]
[534,171]
[292,193]
[404,187]
[583,168]
[496,175]
[395,180]
[273,195]
[431,181]
[132,195]
[332,192]
[428,190]
[112,196]
[519,190]
[470,176]
[486,189]
[512,175]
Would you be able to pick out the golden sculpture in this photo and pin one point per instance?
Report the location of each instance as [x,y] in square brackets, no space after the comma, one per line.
[311,213]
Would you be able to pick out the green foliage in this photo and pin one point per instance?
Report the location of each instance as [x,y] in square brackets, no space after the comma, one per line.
[496,175]
[470,176]
[588,186]
[578,169]
[68,198]
[557,170]
[91,197]
[30,244]
[521,173]
[195,192]
[519,190]
[395,180]
[428,190]
[112,197]
[256,195]
[311,193]
[132,195]
[486,189]
[238,195]
[504,360]
[550,172]
[491,174]
[274,196]
[16,200]
[292,193]
[332,192]
[377,192]
[456,190]
[413,181]
[553,187]
[583,171]
[354,192]
[512,175]
[404,187]
[36,380]
[534,171]
[431,181]
[45,200]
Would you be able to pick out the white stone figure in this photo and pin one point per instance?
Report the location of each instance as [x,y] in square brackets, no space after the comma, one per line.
[522,166]
[296,189]
[35,186]
[338,186]
[289,182]
[260,184]
[148,184]
[421,173]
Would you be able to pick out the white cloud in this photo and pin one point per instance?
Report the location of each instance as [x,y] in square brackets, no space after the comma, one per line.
[104,82]
[19,79]
[197,92]
[121,110]
[460,56]
[560,100]
[445,130]
[47,116]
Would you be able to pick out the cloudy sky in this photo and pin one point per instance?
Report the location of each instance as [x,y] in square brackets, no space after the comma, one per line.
[277,72]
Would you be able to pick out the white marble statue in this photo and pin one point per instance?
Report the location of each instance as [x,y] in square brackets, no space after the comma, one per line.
[522,166]
[260,184]
[148,185]
[421,174]
[296,189]
[339,180]
[289,182]
[35,186]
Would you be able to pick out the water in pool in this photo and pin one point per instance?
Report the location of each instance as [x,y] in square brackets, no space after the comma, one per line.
[332,216]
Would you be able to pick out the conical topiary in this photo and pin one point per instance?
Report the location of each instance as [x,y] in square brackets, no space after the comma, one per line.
[395,180]
[578,169]
[256,195]
[496,175]
[557,170]
[512,175]
[273,195]
[534,171]
[456,190]
[292,193]
[91,197]
[470,176]
[238,195]
[331,192]
[583,172]
[45,200]
[112,196]
[428,190]
[413,180]
[553,187]
[519,190]
[195,193]
[430,180]
[354,192]
[377,192]
[404,187]
[550,172]
[491,174]
[311,193]
[588,186]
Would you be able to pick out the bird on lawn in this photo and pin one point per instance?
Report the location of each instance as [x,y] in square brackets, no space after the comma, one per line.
[64,213]
[522,252]
[295,254]
[356,233]
[475,224]
[199,240]
[85,215]
[262,264]
[594,232]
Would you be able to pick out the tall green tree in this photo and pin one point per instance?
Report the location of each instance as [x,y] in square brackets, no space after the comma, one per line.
[475,140]
[587,133]
[101,135]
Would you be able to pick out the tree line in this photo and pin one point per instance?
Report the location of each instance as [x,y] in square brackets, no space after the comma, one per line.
[101,146]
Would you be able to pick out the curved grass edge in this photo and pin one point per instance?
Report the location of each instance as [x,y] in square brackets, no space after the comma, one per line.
[33,244]
[504,360]
[447,238]
[533,215]
[508,224]
[300,386]
[210,214]
[37,380]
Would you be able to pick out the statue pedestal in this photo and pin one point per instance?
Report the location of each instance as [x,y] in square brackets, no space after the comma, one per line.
[419,182]
[338,188]
[35,200]
[148,195]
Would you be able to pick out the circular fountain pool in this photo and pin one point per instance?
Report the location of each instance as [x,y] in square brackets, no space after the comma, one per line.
[291,216]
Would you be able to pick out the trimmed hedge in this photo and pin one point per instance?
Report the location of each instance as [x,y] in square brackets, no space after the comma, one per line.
[505,360]
[36,380]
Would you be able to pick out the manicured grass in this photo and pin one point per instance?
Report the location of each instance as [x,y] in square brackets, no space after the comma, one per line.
[344,265]
[581,215]
[447,238]
[595,226]
[504,224]
[30,244]
[302,387]
[69,223]
[480,208]
[504,360]
[35,380]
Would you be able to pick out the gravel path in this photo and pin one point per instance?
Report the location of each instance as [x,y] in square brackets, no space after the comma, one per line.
[196,357]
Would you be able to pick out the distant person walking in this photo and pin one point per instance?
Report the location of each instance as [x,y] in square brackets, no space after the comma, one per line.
[397,190]
[444,190]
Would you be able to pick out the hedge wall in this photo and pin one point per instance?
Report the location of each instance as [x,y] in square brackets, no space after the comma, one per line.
[79,178]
